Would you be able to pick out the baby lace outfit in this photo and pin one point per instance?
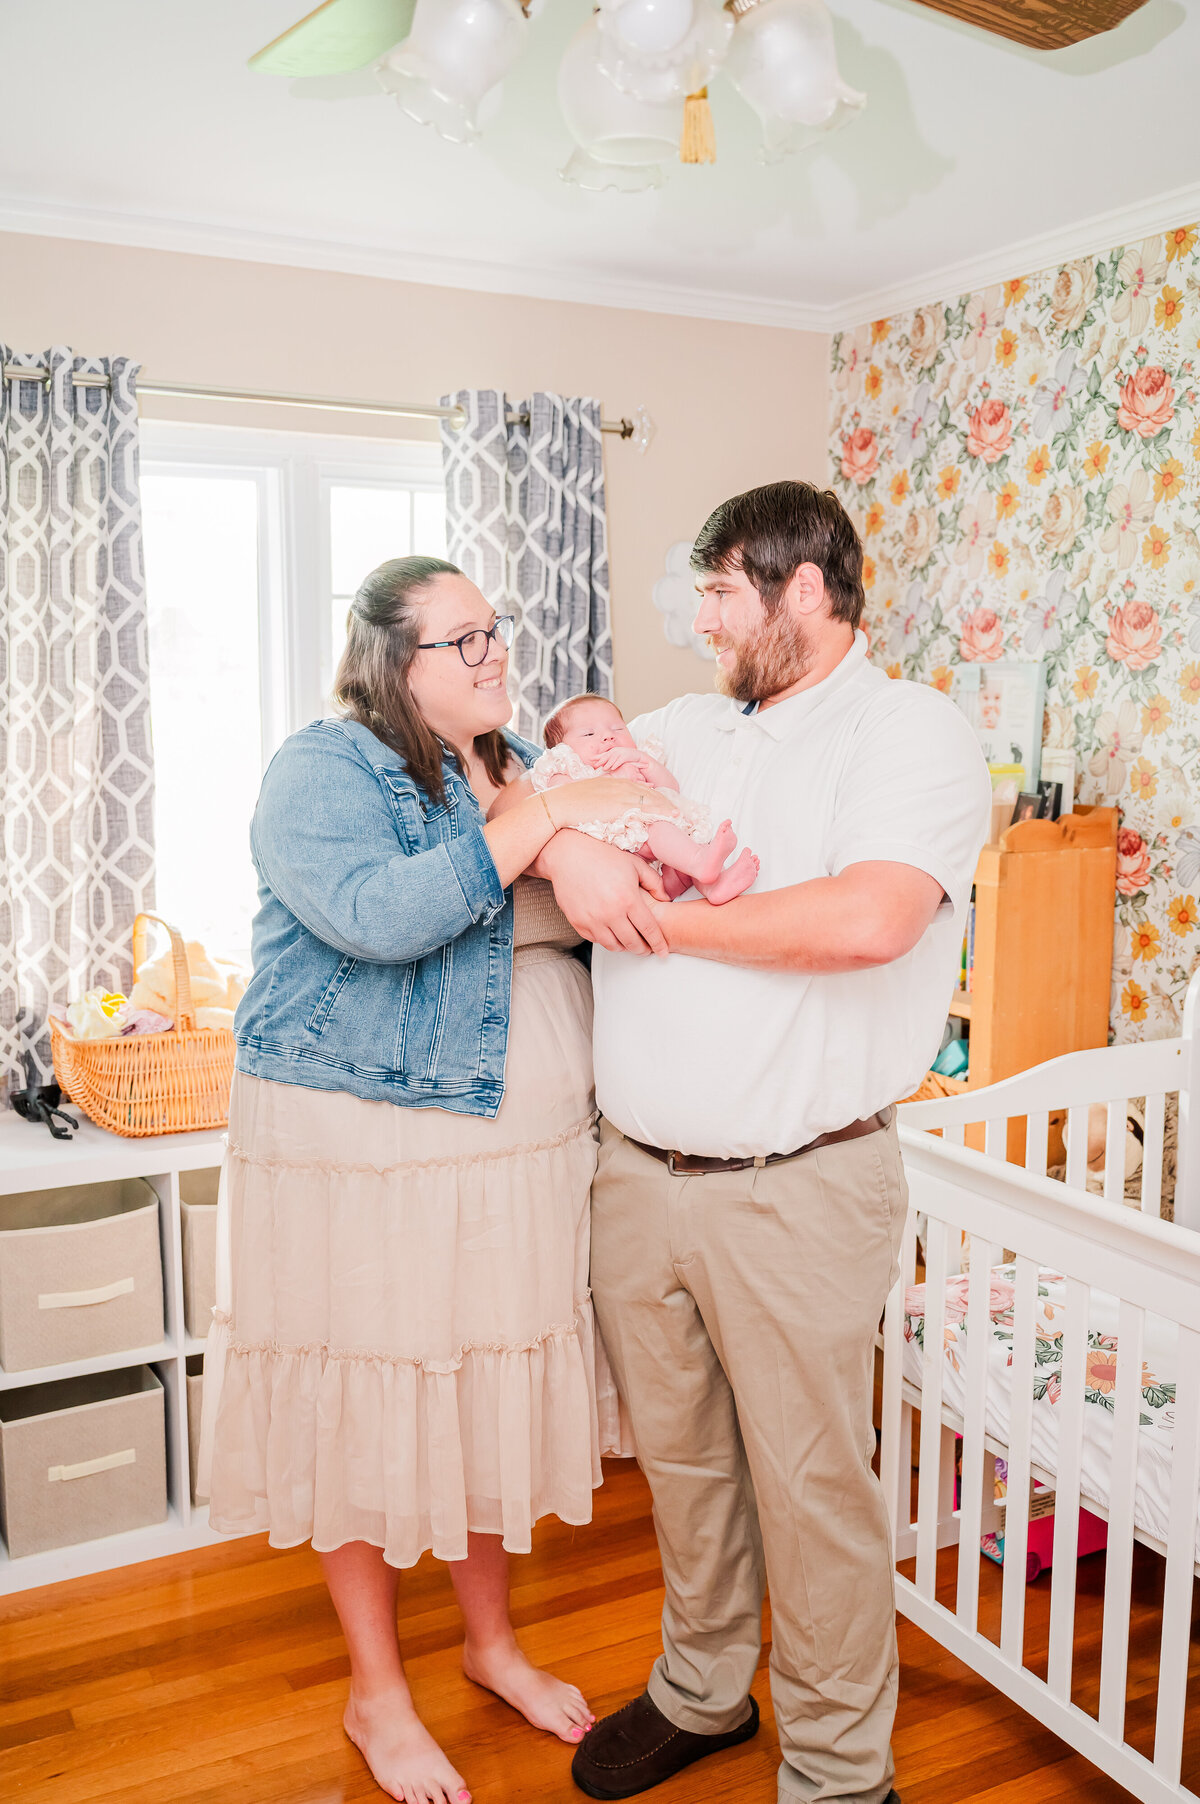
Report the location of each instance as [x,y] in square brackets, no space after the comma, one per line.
[629,832]
[403,1347]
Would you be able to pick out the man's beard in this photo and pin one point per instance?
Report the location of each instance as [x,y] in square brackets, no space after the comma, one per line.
[777,656]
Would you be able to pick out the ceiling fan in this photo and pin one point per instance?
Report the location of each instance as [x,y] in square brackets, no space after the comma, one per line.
[342,35]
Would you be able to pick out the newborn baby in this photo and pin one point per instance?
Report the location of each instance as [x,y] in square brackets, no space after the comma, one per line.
[587,737]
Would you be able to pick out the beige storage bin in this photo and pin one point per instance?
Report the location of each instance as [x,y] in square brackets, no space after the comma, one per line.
[80,1273]
[198,1202]
[81,1458]
[195,1397]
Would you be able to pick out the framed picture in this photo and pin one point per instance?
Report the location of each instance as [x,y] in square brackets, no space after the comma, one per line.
[1005,703]
[1030,804]
[1051,794]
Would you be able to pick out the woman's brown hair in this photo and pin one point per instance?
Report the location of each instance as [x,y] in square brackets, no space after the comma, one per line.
[371,685]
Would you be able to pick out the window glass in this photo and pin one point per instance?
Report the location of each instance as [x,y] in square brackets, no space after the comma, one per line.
[202,576]
[369,525]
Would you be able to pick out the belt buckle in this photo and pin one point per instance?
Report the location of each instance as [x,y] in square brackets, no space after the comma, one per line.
[671,1171]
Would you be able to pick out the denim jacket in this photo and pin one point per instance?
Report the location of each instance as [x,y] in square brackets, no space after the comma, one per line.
[382,947]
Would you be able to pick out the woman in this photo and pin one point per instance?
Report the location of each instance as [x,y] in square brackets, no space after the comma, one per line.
[402,1356]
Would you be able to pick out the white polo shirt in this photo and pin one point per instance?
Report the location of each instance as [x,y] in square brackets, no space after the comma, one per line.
[701,1057]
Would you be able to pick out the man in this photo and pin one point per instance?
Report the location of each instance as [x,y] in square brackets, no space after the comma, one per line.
[749,1200]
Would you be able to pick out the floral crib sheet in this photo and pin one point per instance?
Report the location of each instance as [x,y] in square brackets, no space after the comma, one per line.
[1157,1419]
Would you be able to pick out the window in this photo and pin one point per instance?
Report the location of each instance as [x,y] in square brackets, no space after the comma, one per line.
[255,543]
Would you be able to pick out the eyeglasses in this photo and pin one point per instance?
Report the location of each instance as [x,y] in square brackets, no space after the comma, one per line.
[473,647]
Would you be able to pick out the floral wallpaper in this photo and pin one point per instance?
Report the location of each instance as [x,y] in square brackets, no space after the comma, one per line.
[1024,466]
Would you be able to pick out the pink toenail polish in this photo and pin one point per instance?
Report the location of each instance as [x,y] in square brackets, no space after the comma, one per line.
[464,1797]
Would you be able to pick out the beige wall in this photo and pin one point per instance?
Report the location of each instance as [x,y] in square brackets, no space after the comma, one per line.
[734,405]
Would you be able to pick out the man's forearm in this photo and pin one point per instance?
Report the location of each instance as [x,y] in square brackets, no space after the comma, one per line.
[868,916]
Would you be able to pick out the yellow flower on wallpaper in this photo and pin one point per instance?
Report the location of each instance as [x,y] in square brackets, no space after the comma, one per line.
[895,670]
[898,488]
[1180,242]
[1006,348]
[1182,914]
[874,517]
[1156,714]
[1189,684]
[879,329]
[1015,291]
[1087,681]
[1144,940]
[1133,1001]
[873,382]
[943,678]
[868,573]
[997,559]
[1168,309]
[1097,458]
[1168,480]
[948,482]
[1006,501]
[1037,464]
[1143,780]
[1156,547]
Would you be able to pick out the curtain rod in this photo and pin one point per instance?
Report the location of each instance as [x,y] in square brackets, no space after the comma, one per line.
[324,403]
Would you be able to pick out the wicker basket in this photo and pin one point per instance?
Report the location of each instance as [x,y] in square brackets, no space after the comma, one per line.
[136,1084]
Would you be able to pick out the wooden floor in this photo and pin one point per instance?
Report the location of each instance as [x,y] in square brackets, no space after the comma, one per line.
[219,1678]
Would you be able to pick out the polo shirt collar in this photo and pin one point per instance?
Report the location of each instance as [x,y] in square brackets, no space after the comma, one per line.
[785,718]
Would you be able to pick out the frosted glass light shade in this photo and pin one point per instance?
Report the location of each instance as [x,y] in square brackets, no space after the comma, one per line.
[683,68]
[782,60]
[614,131]
[647,27]
[456,53]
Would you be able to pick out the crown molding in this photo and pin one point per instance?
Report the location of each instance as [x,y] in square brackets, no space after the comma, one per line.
[580,286]
[198,238]
[1024,257]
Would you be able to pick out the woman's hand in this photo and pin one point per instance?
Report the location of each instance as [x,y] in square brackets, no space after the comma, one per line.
[603,799]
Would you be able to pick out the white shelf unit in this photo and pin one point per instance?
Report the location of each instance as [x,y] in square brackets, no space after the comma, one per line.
[31,1160]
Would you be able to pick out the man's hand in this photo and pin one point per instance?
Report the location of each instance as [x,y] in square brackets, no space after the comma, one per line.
[604,893]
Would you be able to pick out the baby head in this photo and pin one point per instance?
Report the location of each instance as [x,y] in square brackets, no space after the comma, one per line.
[589,725]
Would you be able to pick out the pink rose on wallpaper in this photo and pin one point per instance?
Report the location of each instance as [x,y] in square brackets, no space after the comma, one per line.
[1147,402]
[982,640]
[1135,635]
[990,433]
[860,456]
[1133,862]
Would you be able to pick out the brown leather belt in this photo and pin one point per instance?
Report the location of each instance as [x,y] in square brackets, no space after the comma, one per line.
[692,1165]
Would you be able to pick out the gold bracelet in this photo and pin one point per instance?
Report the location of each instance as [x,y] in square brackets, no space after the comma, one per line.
[541,795]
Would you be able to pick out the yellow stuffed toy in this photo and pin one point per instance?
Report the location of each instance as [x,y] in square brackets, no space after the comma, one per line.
[217,986]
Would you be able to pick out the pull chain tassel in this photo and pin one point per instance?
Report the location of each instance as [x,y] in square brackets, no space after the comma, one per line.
[697,140]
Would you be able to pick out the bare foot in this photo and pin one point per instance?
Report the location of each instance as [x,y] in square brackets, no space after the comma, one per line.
[404,1759]
[740,875]
[546,1702]
[710,857]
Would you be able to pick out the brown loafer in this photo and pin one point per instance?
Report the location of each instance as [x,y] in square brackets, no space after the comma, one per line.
[637,1748]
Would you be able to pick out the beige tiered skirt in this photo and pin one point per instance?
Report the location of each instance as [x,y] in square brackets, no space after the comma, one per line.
[403,1348]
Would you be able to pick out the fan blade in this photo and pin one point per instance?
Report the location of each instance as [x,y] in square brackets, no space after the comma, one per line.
[339,36]
[1040,24]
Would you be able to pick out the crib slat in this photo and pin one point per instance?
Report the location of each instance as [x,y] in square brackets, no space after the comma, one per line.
[1016,1513]
[1118,1573]
[1069,1412]
[1037,1135]
[979,1340]
[1177,1580]
[995,1138]
[1076,1137]
[1152,1154]
[955,1133]
[895,1456]
[933,1366]
[1114,1152]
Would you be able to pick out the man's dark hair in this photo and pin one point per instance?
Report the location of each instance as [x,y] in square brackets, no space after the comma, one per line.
[767,534]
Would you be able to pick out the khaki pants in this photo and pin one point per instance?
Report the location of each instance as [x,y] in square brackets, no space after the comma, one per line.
[739,1311]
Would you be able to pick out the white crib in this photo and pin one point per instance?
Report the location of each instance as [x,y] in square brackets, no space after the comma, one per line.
[1072,1260]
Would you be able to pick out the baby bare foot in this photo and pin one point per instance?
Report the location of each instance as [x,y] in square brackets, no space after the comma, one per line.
[404,1759]
[717,851]
[546,1702]
[740,875]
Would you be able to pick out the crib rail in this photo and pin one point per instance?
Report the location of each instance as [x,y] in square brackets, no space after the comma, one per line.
[1071,1086]
[1153,1268]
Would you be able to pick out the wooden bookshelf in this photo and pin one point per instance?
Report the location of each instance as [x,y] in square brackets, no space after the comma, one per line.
[1043,943]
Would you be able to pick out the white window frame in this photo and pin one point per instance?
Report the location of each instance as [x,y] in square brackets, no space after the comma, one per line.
[294,472]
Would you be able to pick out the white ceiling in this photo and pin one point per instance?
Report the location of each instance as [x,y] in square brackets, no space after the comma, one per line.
[137,121]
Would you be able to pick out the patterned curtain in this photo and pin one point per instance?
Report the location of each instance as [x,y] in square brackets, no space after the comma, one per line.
[526,521]
[76,771]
